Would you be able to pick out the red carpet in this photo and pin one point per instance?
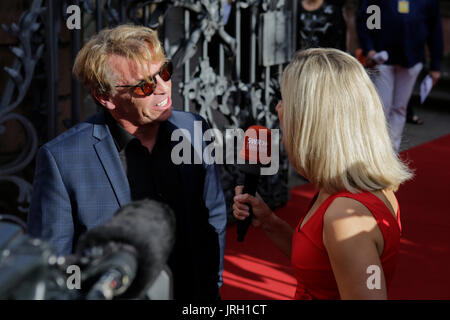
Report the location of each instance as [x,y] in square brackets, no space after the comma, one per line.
[255,269]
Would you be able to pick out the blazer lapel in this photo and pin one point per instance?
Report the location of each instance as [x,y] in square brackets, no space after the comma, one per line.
[109,158]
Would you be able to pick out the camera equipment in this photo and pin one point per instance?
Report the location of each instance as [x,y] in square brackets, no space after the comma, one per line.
[29,268]
[121,258]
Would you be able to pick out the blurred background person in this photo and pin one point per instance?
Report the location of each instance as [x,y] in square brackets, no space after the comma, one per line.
[411,116]
[321,24]
[336,136]
[406,27]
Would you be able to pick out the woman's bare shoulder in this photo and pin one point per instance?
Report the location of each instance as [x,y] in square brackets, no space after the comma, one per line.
[347,217]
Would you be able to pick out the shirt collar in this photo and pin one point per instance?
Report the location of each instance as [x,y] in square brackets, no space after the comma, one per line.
[120,136]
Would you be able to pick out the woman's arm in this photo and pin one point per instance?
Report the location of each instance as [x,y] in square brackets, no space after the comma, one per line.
[276,229]
[349,233]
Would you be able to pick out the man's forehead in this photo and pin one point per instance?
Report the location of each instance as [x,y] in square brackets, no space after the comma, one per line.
[125,68]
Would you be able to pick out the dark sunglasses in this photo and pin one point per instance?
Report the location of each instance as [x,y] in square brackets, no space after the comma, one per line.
[146,88]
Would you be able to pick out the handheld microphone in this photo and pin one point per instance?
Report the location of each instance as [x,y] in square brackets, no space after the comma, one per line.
[134,247]
[256,149]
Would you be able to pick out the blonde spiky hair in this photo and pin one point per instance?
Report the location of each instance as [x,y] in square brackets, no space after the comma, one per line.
[138,43]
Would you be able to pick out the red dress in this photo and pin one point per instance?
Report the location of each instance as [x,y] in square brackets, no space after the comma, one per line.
[311,265]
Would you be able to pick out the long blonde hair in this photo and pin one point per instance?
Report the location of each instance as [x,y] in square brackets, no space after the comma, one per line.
[334,125]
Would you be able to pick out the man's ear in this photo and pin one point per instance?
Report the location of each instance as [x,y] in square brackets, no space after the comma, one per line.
[104,99]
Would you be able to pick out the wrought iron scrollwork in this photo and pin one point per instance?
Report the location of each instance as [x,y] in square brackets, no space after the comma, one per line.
[20,77]
[26,57]
[239,103]
[213,88]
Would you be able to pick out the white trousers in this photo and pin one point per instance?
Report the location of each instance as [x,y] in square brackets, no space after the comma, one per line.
[395,85]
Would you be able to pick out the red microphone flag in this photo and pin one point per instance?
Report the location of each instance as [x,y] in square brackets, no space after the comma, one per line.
[257,145]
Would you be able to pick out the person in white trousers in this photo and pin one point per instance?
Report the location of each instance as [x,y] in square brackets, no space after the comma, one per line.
[395,85]
[406,26]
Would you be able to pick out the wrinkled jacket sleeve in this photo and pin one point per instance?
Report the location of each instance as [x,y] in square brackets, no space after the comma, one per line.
[50,214]
[215,202]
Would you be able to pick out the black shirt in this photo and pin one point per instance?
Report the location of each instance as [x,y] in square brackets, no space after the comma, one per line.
[194,260]
[147,173]
[324,27]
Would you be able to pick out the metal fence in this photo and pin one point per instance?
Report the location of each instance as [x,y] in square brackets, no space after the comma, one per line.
[228,55]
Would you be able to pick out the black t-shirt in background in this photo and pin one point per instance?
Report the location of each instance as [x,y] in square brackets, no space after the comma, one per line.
[324,27]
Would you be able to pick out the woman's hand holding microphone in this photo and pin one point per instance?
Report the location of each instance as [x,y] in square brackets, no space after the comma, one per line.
[261,212]
[278,230]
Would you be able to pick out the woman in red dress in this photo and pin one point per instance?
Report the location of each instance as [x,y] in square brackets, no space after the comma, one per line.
[336,136]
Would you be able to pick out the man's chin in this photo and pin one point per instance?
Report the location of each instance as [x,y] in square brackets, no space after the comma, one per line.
[165,114]
[153,118]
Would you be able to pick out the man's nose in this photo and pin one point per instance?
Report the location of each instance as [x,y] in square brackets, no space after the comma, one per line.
[161,85]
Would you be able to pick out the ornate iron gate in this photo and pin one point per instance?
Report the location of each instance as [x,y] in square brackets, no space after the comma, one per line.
[231,54]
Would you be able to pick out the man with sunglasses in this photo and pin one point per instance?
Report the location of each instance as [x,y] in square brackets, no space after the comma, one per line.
[123,153]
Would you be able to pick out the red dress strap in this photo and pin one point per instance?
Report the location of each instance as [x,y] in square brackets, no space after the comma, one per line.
[310,261]
[314,226]
[389,226]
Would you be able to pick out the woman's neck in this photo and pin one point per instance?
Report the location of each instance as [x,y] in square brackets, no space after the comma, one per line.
[323,195]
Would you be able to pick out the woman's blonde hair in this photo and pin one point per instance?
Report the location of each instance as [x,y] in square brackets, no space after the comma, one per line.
[137,43]
[334,125]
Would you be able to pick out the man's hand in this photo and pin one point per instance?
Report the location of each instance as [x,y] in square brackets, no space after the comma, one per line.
[435,75]
[261,212]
